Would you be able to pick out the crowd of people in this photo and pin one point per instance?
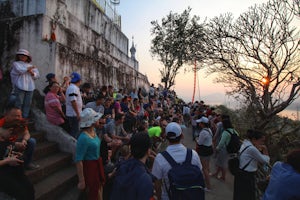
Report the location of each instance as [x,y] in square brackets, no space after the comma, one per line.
[122,137]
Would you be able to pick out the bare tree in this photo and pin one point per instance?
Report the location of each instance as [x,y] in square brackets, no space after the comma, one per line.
[174,43]
[257,57]
[294,5]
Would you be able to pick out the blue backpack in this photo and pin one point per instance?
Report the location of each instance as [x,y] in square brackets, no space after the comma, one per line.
[186,180]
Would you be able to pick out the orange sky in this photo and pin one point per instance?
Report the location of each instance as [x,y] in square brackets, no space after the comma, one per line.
[136,16]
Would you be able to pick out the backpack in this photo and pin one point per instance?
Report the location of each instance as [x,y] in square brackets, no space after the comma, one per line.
[186,180]
[234,144]
[234,163]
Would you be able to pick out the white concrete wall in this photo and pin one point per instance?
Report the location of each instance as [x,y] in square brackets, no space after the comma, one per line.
[86,41]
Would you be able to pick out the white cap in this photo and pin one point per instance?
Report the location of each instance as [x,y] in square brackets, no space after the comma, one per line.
[173,130]
[203,120]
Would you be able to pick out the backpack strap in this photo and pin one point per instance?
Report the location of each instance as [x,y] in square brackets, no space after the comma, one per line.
[169,158]
[173,163]
[245,149]
[231,133]
[188,157]
[249,160]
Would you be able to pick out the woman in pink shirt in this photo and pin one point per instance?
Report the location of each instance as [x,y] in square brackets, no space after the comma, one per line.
[54,112]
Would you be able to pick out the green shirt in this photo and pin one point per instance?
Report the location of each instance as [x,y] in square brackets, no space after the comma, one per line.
[154,131]
[225,138]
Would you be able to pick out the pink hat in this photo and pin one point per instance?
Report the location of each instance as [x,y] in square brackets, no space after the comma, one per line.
[25,53]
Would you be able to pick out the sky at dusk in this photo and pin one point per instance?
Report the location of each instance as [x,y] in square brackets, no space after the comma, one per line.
[136,16]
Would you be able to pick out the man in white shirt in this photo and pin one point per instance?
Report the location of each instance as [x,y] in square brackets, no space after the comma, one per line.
[74,104]
[178,152]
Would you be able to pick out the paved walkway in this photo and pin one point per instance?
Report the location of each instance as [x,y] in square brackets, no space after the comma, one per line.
[220,190]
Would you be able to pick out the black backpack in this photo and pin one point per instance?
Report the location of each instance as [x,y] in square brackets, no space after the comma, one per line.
[234,144]
[234,163]
[186,180]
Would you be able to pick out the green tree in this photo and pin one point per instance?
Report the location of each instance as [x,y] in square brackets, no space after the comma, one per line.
[257,57]
[174,43]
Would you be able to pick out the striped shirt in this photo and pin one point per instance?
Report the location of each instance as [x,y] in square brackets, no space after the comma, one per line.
[52,104]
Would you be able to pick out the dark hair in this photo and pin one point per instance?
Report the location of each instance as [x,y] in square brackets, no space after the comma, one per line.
[173,140]
[119,116]
[175,119]
[224,116]
[226,123]
[86,85]
[135,99]
[104,87]
[139,145]
[17,58]
[254,134]
[8,109]
[100,96]
[293,158]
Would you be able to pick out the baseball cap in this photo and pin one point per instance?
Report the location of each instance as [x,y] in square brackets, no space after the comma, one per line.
[75,77]
[49,77]
[173,130]
[203,120]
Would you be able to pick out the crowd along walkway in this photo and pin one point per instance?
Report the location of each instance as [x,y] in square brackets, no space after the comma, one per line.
[220,190]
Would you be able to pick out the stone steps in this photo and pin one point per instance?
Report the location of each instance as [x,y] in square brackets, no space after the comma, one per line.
[54,186]
[57,172]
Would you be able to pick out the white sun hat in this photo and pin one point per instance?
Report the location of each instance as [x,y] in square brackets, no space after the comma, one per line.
[25,53]
[88,117]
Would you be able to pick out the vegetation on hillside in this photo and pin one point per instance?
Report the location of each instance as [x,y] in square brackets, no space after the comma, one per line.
[283,134]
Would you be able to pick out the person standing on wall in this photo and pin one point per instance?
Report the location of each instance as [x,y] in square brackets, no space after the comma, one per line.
[23,74]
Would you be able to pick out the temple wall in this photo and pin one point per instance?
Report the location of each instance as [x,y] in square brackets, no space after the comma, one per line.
[65,36]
